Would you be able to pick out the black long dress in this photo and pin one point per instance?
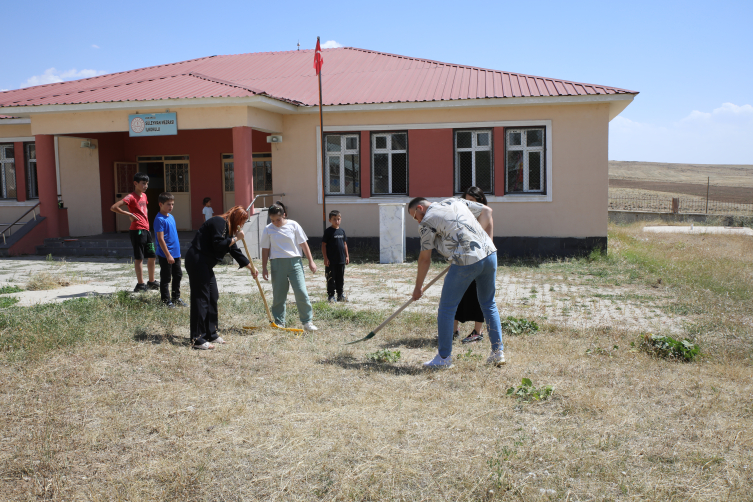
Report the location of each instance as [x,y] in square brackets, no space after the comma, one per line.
[208,247]
[469,308]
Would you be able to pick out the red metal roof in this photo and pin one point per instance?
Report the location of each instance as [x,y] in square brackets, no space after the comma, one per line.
[349,76]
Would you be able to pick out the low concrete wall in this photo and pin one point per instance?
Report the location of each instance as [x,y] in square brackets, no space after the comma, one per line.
[627,217]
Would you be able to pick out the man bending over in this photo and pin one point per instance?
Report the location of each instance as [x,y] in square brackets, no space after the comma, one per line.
[461,231]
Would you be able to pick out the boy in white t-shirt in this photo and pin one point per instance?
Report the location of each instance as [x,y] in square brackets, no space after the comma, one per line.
[208,211]
[282,241]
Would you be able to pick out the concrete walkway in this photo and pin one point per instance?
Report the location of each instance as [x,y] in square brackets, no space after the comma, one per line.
[692,229]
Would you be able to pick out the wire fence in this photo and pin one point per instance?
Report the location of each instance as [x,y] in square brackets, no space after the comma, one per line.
[664,204]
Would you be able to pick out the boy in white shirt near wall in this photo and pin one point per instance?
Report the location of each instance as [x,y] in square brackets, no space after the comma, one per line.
[208,211]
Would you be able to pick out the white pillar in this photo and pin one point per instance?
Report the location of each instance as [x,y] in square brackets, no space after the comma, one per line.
[391,233]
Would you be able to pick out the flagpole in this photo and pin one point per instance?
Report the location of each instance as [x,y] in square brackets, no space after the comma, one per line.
[321,141]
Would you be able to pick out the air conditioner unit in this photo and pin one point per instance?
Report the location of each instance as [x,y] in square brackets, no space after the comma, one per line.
[274,138]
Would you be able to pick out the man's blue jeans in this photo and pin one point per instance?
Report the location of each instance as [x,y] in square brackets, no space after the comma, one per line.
[456,282]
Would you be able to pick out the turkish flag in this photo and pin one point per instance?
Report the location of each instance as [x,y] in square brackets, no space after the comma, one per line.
[318,59]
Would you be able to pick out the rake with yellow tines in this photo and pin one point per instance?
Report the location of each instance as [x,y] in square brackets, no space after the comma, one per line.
[264,299]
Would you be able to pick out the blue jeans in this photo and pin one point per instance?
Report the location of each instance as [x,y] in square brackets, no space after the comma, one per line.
[458,279]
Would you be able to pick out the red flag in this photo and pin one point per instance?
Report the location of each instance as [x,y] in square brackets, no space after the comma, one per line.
[318,59]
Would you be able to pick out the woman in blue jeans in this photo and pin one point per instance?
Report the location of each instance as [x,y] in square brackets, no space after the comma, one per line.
[460,230]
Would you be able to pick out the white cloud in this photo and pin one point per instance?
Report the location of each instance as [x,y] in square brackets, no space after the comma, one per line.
[331,44]
[95,46]
[721,136]
[51,76]
[3,90]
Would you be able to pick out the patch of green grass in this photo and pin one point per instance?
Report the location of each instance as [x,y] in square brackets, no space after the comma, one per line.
[107,318]
[9,289]
[669,348]
[519,326]
[384,356]
[527,392]
[7,301]
[469,355]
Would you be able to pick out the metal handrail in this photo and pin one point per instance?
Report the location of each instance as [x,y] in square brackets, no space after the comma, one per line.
[263,195]
[10,227]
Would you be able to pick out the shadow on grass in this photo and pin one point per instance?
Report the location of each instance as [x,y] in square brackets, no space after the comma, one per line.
[411,343]
[156,339]
[351,363]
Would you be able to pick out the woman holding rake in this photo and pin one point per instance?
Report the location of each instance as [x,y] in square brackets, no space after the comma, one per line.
[216,237]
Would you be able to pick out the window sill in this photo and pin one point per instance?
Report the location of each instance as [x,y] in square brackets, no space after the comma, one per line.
[404,199]
[519,198]
[15,203]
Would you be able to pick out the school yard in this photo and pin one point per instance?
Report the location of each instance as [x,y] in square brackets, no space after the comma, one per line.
[103,400]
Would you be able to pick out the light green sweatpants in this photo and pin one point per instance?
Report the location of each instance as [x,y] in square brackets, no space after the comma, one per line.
[284,270]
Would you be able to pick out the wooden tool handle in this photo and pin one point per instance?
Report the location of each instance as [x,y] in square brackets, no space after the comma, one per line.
[390,318]
[261,291]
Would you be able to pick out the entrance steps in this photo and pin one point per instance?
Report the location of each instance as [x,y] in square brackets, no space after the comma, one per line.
[111,245]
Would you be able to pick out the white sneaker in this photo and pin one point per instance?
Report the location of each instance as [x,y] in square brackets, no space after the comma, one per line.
[309,326]
[497,358]
[439,362]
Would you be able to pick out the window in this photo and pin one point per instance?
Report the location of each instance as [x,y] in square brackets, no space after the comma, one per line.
[473,160]
[176,177]
[389,172]
[262,172]
[7,172]
[32,191]
[343,166]
[525,160]
[228,168]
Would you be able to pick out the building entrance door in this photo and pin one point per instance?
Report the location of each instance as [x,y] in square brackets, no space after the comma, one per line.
[168,173]
[124,172]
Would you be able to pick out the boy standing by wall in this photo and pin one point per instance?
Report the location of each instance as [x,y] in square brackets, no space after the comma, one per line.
[141,238]
[168,251]
[207,211]
[335,252]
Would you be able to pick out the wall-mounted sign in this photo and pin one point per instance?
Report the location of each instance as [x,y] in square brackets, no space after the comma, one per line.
[155,124]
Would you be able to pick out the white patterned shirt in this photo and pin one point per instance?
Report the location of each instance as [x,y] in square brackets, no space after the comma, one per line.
[452,229]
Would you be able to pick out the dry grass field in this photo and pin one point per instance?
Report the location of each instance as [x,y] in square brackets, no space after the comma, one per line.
[103,400]
[721,175]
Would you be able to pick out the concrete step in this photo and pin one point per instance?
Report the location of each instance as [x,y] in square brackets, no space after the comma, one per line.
[93,247]
[85,251]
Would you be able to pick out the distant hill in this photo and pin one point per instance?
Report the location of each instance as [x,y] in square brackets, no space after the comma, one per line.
[721,175]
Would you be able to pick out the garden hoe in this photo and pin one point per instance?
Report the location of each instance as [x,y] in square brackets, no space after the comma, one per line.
[264,299]
[371,335]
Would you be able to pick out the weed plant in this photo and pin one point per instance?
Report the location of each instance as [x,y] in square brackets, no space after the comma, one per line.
[669,348]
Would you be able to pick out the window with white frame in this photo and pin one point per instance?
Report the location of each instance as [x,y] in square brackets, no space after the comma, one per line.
[342,163]
[525,166]
[389,171]
[7,172]
[32,191]
[473,160]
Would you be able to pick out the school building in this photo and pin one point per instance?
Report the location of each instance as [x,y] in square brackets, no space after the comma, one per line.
[232,127]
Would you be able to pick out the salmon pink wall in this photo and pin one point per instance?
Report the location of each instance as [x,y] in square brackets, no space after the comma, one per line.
[47,183]
[204,148]
[430,162]
[499,160]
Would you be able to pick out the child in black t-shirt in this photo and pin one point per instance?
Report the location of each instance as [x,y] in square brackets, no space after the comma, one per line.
[335,252]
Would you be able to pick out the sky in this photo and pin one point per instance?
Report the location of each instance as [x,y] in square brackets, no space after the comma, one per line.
[691,61]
